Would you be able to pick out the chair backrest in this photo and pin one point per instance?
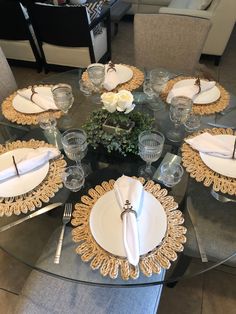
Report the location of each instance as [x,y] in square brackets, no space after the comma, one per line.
[14,27]
[7,80]
[170,41]
[65,35]
[60,25]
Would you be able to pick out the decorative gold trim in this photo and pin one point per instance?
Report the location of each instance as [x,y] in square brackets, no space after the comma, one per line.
[111,265]
[203,109]
[12,115]
[200,172]
[40,194]
[133,83]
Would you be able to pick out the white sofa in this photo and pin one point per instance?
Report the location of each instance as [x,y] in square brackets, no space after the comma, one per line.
[221,13]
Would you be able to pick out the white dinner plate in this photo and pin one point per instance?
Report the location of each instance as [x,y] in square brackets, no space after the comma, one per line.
[23,105]
[124,73]
[26,182]
[106,224]
[224,166]
[206,97]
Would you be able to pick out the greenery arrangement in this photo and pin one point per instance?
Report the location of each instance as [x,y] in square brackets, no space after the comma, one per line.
[120,140]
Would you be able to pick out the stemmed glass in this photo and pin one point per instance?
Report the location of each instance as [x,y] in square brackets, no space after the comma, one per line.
[48,123]
[63,98]
[74,142]
[180,109]
[150,149]
[158,78]
[96,74]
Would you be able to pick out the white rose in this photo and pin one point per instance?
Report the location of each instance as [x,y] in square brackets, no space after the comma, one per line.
[125,101]
[109,101]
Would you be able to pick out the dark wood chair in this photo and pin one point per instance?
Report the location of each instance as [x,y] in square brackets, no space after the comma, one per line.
[66,36]
[16,35]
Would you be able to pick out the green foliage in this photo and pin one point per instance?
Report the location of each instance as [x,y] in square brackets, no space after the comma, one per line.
[122,142]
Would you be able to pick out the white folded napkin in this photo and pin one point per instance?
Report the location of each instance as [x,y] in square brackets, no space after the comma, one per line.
[28,162]
[42,100]
[190,91]
[212,145]
[131,190]
[111,79]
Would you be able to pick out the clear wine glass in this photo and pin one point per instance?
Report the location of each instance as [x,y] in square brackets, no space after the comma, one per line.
[96,74]
[48,123]
[63,98]
[193,123]
[180,109]
[74,142]
[150,149]
[73,178]
[158,78]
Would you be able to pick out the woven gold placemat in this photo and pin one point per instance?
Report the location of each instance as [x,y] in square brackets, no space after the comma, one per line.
[111,265]
[133,83]
[40,194]
[200,172]
[12,115]
[203,109]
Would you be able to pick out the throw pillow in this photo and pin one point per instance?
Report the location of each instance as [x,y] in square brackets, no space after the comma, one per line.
[94,11]
[199,4]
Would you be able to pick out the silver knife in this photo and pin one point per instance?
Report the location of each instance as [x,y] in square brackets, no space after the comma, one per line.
[218,125]
[191,210]
[38,212]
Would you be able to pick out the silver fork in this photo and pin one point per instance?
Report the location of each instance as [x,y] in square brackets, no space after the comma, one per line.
[65,219]
[221,198]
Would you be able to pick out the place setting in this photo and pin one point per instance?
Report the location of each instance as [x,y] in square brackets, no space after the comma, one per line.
[209,156]
[30,175]
[99,78]
[146,232]
[29,105]
[208,97]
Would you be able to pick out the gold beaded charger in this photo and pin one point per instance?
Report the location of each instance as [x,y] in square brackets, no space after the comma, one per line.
[113,266]
[41,193]
[11,114]
[200,172]
[135,82]
[201,109]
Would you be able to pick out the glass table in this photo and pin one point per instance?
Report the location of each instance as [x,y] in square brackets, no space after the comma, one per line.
[34,242]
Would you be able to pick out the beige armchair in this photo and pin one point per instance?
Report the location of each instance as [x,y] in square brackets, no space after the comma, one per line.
[221,13]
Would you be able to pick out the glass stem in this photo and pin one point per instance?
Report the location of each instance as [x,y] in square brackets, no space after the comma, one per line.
[148,166]
[78,163]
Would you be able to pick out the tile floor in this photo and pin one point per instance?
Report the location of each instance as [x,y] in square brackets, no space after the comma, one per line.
[211,293]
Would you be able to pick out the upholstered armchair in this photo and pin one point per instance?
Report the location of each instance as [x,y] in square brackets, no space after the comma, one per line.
[222,15]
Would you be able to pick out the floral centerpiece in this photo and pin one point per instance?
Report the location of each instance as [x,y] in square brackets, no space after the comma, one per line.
[116,126]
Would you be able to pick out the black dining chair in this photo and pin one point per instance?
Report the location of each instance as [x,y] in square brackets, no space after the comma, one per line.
[66,36]
[17,36]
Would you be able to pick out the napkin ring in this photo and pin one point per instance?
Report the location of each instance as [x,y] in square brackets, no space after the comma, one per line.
[127,209]
[33,93]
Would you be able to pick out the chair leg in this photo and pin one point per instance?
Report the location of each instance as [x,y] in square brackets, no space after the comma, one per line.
[116,26]
[217,60]
[181,267]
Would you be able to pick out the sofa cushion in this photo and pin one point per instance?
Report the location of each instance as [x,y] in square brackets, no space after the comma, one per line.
[199,4]
[190,4]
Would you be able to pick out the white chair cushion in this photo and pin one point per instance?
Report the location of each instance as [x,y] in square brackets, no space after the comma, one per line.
[73,56]
[17,50]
